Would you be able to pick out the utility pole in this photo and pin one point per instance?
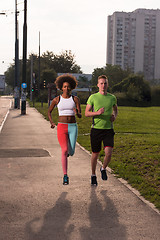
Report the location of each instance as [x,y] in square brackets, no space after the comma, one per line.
[39,72]
[23,93]
[31,83]
[16,82]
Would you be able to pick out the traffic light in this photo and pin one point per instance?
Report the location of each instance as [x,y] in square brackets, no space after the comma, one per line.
[33,82]
[33,87]
[44,84]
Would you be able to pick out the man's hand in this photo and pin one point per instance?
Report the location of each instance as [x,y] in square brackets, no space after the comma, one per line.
[112,118]
[100,111]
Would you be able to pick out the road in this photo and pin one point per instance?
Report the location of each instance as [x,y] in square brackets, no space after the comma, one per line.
[5,105]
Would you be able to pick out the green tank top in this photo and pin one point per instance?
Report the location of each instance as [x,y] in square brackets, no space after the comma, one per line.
[98,101]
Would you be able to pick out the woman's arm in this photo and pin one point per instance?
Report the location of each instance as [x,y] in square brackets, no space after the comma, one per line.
[52,106]
[77,110]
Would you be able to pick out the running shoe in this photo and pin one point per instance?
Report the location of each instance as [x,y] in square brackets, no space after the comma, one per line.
[65,180]
[103,174]
[94,180]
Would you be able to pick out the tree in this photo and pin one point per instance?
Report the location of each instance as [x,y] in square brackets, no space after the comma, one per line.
[50,65]
[65,63]
[10,75]
[135,88]
[114,73]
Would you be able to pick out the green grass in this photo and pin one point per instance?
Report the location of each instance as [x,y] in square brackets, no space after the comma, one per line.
[136,155]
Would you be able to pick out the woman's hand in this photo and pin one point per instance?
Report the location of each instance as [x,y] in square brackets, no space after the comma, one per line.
[77,113]
[53,125]
[75,110]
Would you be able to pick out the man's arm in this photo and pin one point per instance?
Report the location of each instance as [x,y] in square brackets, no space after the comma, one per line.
[115,113]
[88,112]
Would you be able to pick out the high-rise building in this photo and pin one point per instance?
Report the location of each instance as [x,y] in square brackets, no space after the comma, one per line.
[133,41]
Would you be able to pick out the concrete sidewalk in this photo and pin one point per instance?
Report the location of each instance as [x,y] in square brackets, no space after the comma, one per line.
[35,205]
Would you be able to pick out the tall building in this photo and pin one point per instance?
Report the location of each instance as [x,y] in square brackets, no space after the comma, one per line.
[133,41]
[2,82]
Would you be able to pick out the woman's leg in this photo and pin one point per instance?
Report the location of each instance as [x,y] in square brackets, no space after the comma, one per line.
[62,134]
[72,134]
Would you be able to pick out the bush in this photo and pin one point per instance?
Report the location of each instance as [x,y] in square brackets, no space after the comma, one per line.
[43,96]
[155,96]
[124,100]
[135,89]
[134,93]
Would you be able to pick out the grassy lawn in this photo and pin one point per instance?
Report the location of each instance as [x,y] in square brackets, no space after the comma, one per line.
[136,155]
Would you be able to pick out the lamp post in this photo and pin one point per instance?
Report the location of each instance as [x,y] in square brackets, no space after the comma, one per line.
[23,92]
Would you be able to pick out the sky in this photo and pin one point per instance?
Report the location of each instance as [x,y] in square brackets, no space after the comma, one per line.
[76,25]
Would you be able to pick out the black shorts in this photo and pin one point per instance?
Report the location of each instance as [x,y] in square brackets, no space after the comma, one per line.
[98,136]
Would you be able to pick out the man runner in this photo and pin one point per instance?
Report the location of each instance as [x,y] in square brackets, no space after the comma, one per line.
[102,106]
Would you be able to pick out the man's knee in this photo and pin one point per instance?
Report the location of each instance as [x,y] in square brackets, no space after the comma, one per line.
[108,152]
[108,155]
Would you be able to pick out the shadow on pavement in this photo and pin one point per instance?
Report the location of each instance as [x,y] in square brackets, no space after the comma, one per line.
[54,224]
[104,223]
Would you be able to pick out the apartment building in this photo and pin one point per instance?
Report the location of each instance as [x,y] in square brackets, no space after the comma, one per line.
[133,41]
[2,82]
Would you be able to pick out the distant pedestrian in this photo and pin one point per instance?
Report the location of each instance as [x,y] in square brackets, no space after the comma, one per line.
[68,106]
[102,106]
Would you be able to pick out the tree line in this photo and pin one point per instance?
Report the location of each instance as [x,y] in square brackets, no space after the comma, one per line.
[50,65]
[130,89]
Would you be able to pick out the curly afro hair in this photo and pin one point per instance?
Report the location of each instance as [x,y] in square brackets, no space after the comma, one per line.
[66,78]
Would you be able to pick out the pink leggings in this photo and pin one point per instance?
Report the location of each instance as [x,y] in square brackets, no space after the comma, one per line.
[67,136]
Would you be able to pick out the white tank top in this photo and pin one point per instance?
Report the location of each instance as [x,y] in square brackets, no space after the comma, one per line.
[65,106]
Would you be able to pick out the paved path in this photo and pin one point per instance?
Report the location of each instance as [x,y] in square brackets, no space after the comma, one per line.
[34,205]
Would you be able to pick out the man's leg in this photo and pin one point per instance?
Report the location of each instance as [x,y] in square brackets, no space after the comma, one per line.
[108,155]
[94,158]
[96,147]
[93,166]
